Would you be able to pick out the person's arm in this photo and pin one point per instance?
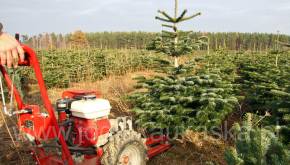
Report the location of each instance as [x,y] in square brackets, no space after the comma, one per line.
[10,49]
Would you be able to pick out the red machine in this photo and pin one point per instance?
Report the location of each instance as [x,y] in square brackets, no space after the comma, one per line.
[82,133]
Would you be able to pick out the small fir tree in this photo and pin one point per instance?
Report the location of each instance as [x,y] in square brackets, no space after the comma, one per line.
[267,88]
[179,102]
[256,146]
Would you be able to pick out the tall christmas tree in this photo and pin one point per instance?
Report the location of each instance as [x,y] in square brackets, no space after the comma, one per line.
[175,42]
[181,99]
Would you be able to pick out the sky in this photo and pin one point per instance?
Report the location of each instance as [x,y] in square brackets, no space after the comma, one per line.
[64,16]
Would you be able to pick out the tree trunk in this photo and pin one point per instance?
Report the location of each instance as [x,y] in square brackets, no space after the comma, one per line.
[208,46]
[176,62]
[276,61]
[176,37]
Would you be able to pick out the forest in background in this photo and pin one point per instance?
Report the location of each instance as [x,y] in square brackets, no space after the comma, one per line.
[139,40]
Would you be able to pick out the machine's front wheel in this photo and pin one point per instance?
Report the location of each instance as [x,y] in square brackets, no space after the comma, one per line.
[125,148]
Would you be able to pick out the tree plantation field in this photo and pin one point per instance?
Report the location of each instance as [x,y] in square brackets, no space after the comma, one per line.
[61,67]
[212,90]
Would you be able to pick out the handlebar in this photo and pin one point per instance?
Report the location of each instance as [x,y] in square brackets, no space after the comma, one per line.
[30,59]
[29,55]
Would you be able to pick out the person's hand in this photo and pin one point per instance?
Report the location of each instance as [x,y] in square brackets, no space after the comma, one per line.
[10,50]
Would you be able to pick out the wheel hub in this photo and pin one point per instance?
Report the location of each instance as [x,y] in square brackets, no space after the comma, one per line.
[125,159]
[130,156]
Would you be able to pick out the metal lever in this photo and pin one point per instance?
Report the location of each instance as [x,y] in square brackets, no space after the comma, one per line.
[5,110]
[23,111]
[3,98]
[12,92]
[17,36]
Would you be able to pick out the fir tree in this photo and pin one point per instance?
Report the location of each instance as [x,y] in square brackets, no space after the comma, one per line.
[183,98]
[267,88]
[175,42]
[256,146]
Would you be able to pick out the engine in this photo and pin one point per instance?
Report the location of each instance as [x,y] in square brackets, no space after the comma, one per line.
[85,119]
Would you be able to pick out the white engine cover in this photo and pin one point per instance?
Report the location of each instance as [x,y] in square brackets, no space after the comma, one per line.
[91,108]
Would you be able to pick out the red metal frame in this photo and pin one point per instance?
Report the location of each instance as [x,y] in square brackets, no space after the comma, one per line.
[31,60]
[156,143]
[72,93]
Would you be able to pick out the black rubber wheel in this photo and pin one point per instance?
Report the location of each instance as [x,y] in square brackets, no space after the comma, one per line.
[125,148]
